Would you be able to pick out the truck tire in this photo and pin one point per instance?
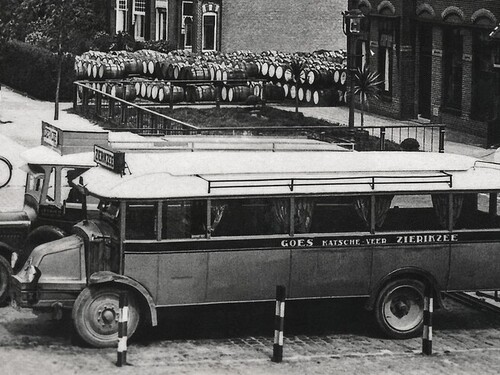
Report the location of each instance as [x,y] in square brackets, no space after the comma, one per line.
[5,275]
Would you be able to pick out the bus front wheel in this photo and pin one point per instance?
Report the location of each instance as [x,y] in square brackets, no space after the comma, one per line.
[399,309]
[96,313]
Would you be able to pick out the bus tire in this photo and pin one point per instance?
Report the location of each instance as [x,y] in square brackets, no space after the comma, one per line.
[96,312]
[5,275]
[399,309]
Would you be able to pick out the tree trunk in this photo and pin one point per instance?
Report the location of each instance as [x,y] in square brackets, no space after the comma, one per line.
[362,111]
[58,84]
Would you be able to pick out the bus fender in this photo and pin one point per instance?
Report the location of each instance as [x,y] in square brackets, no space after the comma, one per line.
[43,234]
[103,277]
[407,272]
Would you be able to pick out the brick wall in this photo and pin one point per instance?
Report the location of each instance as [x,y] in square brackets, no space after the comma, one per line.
[288,26]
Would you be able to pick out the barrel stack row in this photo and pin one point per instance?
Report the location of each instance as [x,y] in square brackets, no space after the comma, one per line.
[237,75]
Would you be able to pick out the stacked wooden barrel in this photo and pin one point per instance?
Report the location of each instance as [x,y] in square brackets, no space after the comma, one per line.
[237,75]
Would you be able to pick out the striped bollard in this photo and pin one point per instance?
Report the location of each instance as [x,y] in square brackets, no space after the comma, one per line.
[122,331]
[428,310]
[279,323]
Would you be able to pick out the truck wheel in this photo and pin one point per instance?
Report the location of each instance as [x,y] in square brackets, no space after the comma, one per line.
[96,312]
[399,309]
[5,274]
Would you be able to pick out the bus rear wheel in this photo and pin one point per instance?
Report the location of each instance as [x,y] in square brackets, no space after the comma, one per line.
[96,313]
[399,309]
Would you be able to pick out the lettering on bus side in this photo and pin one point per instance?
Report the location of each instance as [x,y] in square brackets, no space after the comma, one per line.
[367,241]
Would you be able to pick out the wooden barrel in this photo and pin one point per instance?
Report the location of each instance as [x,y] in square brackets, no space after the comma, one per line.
[273,92]
[224,93]
[271,71]
[198,73]
[250,67]
[239,93]
[308,95]
[264,69]
[233,74]
[303,75]
[205,93]
[343,78]
[125,92]
[108,71]
[143,91]
[336,76]
[293,92]
[80,71]
[286,89]
[132,66]
[165,93]
[301,94]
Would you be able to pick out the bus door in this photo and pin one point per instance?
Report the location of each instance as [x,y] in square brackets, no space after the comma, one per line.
[336,261]
[475,253]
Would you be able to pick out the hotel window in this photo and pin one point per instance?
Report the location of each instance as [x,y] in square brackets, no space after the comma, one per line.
[121,15]
[139,19]
[385,43]
[209,31]
[452,64]
[161,21]
[363,44]
[187,23]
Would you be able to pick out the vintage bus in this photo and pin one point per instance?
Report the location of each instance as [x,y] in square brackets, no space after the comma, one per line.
[184,228]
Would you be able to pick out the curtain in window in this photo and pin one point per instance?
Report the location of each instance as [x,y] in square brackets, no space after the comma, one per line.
[280,210]
[382,205]
[304,208]
[441,207]
[303,215]
[217,211]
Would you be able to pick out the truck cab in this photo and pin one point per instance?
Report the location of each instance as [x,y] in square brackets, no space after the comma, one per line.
[51,206]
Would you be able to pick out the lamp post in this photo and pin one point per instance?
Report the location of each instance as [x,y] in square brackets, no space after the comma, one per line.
[352,29]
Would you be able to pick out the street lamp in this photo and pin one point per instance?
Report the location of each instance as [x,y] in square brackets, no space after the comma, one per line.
[351,28]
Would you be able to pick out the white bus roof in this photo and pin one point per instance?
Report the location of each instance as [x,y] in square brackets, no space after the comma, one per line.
[206,174]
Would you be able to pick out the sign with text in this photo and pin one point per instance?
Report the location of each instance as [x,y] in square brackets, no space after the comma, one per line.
[50,135]
[114,160]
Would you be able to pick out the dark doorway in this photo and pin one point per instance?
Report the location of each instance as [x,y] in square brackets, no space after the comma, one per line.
[425,73]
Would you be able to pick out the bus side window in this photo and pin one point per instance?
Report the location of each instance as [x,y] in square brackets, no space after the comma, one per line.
[475,212]
[338,214]
[413,212]
[251,216]
[140,221]
[184,219]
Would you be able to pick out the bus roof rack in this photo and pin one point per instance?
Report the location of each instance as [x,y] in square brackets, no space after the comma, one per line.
[292,182]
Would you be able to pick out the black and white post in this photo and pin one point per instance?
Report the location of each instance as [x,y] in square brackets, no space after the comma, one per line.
[428,310]
[279,324]
[122,330]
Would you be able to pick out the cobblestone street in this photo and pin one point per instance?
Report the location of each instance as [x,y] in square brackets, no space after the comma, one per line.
[321,337]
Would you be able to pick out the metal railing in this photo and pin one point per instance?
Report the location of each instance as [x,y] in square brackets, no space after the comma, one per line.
[122,115]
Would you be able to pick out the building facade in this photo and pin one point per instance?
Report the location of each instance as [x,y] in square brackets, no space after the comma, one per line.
[437,61]
[229,25]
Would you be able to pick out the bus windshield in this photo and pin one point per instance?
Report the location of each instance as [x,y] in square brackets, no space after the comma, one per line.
[109,210]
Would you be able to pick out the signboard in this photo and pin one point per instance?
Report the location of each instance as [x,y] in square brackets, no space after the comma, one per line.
[50,135]
[114,160]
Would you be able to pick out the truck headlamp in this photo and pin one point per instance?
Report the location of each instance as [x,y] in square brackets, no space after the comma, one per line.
[13,260]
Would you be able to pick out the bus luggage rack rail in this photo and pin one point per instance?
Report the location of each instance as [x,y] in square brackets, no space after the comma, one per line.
[291,183]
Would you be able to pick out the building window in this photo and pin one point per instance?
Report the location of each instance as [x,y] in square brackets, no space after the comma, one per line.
[484,78]
[161,21]
[363,44]
[121,15]
[187,23]
[385,43]
[209,31]
[139,19]
[452,67]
